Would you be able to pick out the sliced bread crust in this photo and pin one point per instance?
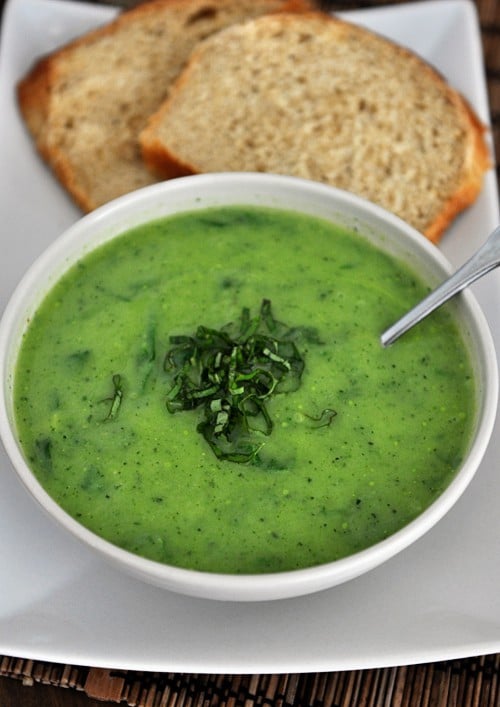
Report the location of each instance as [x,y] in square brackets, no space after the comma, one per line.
[320,98]
[86,103]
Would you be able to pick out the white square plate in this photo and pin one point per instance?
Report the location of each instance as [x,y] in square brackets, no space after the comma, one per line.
[437,600]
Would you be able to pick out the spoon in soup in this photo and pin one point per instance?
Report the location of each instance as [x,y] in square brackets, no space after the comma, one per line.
[487,258]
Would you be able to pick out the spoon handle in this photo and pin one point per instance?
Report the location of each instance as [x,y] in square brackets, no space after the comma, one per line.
[485,259]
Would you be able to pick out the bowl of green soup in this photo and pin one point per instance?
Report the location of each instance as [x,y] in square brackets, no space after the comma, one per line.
[193,385]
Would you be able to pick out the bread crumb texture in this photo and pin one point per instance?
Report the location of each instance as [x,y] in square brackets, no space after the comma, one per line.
[86,103]
[316,97]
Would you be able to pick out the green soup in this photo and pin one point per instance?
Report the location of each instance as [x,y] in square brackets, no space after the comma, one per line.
[91,392]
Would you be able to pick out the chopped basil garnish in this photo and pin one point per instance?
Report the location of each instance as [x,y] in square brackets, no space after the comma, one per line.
[116,398]
[43,450]
[232,373]
[324,419]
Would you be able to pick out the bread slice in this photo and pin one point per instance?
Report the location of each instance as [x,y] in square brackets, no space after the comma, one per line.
[316,97]
[86,103]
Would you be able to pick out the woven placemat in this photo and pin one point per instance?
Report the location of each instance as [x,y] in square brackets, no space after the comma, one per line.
[471,682]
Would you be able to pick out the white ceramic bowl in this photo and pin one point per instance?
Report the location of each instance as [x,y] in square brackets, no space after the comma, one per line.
[189,193]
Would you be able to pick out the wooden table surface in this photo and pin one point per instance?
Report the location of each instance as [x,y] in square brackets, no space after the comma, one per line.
[14,694]
[30,693]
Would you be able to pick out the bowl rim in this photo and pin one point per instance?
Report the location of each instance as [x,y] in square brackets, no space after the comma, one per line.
[75,242]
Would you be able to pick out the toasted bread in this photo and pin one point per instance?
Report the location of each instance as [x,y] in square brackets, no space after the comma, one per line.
[313,96]
[86,103]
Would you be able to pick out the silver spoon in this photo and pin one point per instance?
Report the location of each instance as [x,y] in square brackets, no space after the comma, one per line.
[485,259]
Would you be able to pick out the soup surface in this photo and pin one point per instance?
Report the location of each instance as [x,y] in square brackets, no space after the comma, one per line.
[347,455]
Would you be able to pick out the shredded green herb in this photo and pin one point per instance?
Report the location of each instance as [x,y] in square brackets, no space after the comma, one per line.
[43,450]
[232,373]
[116,398]
[324,419]
[146,355]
